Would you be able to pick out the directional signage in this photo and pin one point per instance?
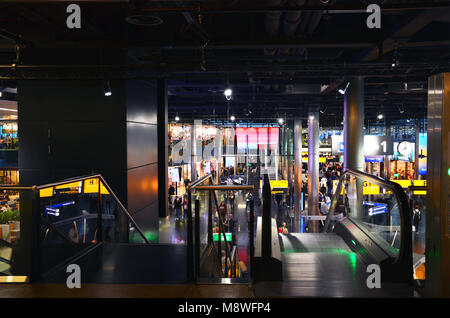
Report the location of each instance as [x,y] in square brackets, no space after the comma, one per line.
[278,186]
[368,188]
[373,145]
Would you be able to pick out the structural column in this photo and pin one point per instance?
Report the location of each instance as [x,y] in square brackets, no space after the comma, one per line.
[354,138]
[313,170]
[438,188]
[297,168]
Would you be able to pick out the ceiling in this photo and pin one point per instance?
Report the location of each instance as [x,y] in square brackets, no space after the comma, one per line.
[281,58]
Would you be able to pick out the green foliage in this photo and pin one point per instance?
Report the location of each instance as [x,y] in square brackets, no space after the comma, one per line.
[10,215]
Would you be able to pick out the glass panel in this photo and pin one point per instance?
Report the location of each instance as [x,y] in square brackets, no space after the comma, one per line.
[373,208]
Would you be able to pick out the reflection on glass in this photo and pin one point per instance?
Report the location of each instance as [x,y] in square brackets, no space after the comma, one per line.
[374,209]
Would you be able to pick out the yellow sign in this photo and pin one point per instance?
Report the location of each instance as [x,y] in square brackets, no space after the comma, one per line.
[403,183]
[91,186]
[420,183]
[46,192]
[280,186]
[407,183]
[69,185]
[368,188]
[321,159]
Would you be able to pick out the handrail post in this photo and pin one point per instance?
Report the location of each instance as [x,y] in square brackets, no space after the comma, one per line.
[251,234]
[190,246]
[197,239]
[35,272]
[220,243]
[266,252]
[99,215]
[210,234]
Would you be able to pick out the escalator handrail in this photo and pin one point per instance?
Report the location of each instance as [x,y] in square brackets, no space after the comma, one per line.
[405,251]
[111,192]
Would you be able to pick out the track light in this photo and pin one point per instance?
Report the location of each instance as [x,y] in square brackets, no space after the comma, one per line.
[401,109]
[380,116]
[342,91]
[232,118]
[108,91]
[177,118]
[280,121]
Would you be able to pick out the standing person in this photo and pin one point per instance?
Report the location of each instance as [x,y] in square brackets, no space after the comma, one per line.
[185,207]
[231,198]
[230,227]
[417,216]
[283,229]
[177,206]
[171,193]
[222,210]
[187,182]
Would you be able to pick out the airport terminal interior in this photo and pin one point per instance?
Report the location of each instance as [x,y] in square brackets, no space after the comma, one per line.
[225,148]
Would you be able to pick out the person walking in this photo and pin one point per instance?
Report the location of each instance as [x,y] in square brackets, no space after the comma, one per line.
[177,205]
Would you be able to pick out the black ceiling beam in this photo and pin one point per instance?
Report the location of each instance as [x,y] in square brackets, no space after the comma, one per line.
[334,8]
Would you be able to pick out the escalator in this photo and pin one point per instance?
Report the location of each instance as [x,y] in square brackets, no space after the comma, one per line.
[81,221]
[368,222]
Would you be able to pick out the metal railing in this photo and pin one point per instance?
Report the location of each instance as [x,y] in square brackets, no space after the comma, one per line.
[231,261]
[33,219]
[405,250]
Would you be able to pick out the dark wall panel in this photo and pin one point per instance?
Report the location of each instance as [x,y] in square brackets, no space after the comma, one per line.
[33,147]
[88,145]
[142,101]
[71,101]
[142,144]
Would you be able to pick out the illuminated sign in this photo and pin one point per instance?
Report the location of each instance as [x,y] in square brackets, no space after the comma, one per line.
[227,237]
[373,145]
[89,186]
[368,188]
[278,186]
[374,159]
[423,154]
[376,208]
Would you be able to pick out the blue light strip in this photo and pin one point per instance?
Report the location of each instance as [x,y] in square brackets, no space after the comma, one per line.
[62,204]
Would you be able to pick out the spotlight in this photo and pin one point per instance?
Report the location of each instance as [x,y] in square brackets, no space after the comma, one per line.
[108,91]
[177,118]
[342,91]
[1,93]
[228,92]
[380,116]
[408,120]
[280,121]
[232,118]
